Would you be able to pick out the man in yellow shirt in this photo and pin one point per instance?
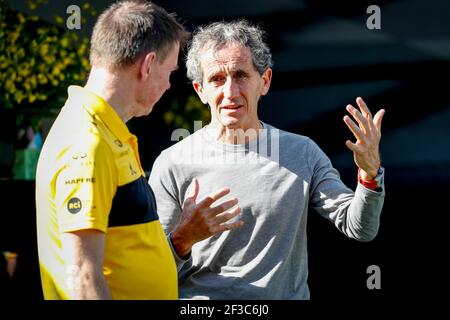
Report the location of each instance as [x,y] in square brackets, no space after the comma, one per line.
[99,235]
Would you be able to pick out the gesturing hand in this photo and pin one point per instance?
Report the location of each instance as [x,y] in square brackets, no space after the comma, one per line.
[368,134]
[200,221]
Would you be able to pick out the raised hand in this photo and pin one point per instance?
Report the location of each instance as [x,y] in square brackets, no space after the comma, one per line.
[201,220]
[368,134]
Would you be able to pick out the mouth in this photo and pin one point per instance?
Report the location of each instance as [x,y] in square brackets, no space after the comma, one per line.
[232,107]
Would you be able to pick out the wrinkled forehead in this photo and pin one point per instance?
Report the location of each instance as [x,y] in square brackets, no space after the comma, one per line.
[229,56]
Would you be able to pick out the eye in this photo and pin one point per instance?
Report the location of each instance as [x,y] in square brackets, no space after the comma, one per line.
[217,79]
[240,75]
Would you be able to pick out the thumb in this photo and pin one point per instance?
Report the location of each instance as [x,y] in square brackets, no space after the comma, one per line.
[378,118]
[195,188]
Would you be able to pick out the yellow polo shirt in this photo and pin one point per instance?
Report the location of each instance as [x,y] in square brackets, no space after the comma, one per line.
[89,177]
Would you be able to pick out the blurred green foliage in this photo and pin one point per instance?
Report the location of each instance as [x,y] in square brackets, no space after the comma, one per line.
[183,111]
[38,61]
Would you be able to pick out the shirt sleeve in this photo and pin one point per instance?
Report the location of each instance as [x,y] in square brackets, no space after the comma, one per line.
[356,214]
[85,186]
[164,185]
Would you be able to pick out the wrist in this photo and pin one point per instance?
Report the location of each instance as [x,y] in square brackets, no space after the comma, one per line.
[180,246]
[368,175]
[371,181]
[9,255]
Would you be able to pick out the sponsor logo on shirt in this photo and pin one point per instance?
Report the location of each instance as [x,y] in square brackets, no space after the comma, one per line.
[77,156]
[80,180]
[118,143]
[132,171]
[74,205]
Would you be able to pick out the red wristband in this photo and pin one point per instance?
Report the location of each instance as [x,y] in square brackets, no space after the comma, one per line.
[371,184]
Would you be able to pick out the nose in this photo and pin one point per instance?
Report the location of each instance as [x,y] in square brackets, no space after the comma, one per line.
[230,89]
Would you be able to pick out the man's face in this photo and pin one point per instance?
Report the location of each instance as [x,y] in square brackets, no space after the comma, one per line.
[158,81]
[232,86]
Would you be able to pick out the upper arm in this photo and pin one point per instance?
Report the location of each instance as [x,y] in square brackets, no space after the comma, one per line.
[328,192]
[162,181]
[83,250]
[83,253]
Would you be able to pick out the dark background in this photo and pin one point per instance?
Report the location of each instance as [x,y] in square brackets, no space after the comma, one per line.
[325,57]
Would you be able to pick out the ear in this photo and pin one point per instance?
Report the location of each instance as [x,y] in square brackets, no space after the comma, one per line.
[266,78]
[199,89]
[147,64]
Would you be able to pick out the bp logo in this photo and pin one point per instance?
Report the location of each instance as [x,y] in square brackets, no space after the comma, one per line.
[74,205]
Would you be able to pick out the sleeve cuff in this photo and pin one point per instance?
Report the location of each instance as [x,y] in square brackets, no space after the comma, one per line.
[371,193]
[178,260]
[82,225]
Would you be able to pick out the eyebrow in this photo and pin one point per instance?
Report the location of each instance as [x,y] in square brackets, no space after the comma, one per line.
[234,72]
[241,71]
[212,75]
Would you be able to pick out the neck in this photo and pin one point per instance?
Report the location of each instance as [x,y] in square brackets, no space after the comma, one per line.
[235,135]
[110,86]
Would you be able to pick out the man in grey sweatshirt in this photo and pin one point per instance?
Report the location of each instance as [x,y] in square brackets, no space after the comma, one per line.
[233,197]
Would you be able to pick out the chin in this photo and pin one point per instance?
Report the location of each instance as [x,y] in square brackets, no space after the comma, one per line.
[149,110]
[232,123]
[143,113]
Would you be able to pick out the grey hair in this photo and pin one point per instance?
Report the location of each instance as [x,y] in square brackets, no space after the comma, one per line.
[218,34]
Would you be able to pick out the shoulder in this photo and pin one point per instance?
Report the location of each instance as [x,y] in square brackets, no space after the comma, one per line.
[75,128]
[183,149]
[92,143]
[288,139]
[294,147]
[83,149]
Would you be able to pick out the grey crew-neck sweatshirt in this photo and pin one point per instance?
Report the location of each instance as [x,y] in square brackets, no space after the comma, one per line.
[275,181]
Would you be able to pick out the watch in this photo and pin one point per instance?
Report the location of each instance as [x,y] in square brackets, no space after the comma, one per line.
[376,183]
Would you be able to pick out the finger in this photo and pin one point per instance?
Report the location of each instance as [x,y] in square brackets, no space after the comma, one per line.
[357,132]
[210,199]
[362,122]
[227,226]
[364,109]
[352,146]
[223,207]
[227,216]
[378,118]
